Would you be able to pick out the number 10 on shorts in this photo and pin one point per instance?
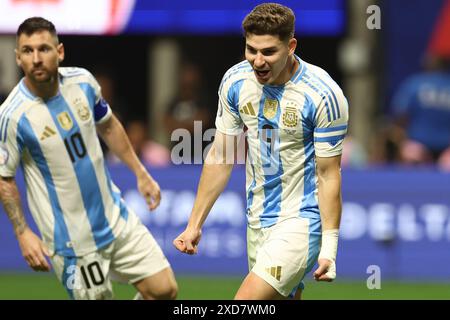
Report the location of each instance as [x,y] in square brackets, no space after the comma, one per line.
[91,274]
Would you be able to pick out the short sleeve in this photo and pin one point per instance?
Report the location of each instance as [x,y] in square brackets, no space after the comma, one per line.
[11,145]
[102,110]
[331,124]
[228,120]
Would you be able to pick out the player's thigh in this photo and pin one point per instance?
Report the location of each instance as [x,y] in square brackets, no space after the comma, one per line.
[298,294]
[255,288]
[84,278]
[161,285]
[289,250]
[137,256]
[255,239]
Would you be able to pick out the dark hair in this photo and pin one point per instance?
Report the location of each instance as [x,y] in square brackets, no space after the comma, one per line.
[270,18]
[35,24]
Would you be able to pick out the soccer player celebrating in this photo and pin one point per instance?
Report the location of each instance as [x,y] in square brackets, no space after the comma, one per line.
[296,117]
[49,124]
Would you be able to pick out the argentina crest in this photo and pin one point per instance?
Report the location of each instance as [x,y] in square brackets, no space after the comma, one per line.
[290,117]
[65,121]
[270,108]
[82,110]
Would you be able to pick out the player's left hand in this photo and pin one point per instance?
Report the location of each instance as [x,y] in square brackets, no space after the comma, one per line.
[149,189]
[326,270]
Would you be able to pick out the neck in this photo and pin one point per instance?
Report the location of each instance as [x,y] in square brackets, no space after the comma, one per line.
[44,90]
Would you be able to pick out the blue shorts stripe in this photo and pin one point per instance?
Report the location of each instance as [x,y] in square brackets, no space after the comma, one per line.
[68,275]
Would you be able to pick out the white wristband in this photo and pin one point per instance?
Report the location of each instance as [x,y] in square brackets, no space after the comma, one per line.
[329,245]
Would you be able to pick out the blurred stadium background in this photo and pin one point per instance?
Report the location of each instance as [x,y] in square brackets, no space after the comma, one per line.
[160,64]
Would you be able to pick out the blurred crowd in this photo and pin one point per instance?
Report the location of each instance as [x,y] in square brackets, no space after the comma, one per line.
[412,123]
[414,132]
[417,130]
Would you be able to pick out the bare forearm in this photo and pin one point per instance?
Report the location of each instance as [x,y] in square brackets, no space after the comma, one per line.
[213,180]
[330,200]
[9,195]
[115,137]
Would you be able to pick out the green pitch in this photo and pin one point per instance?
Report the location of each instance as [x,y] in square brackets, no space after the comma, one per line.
[45,286]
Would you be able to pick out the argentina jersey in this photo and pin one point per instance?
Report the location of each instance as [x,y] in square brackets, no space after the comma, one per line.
[73,201]
[287,127]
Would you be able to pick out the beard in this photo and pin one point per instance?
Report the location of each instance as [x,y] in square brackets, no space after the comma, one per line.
[41,75]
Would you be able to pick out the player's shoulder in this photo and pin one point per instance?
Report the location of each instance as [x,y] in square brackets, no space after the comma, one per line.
[318,74]
[75,74]
[9,98]
[239,71]
[70,72]
[14,107]
[319,81]
[239,68]
[14,100]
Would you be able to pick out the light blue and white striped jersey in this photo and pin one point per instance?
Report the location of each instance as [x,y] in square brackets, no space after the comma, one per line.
[74,203]
[288,126]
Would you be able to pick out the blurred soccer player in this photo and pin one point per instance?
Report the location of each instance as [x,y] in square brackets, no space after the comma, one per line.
[420,129]
[49,124]
[296,117]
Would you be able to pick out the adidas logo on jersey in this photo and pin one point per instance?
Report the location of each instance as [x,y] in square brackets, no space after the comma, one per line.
[274,272]
[48,132]
[248,109]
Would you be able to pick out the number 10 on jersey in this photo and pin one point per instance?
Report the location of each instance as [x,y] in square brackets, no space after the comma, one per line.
[75,146]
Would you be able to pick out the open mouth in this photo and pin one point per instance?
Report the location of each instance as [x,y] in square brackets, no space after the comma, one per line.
[262,73]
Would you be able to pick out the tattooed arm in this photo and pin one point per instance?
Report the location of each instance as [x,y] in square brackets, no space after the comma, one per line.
[11,203]
[33,249]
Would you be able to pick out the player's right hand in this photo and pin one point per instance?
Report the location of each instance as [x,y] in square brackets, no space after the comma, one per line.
[187,241]
[33,250]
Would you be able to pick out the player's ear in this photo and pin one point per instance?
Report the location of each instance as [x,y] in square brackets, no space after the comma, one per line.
[292,45]
[60,49]
[19,63]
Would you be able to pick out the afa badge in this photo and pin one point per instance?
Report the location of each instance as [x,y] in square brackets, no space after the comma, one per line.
[270,108]
[290,117]
[65,121]
[82,110]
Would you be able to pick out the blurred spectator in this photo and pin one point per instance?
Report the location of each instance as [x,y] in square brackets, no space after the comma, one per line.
[353,154]
[190,103]
[420,130]
[150,152]
[107,82]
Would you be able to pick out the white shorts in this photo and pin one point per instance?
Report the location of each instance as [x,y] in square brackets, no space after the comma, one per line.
[133,256]
[282,254]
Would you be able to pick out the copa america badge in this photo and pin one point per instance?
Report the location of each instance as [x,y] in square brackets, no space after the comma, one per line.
[4,155]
